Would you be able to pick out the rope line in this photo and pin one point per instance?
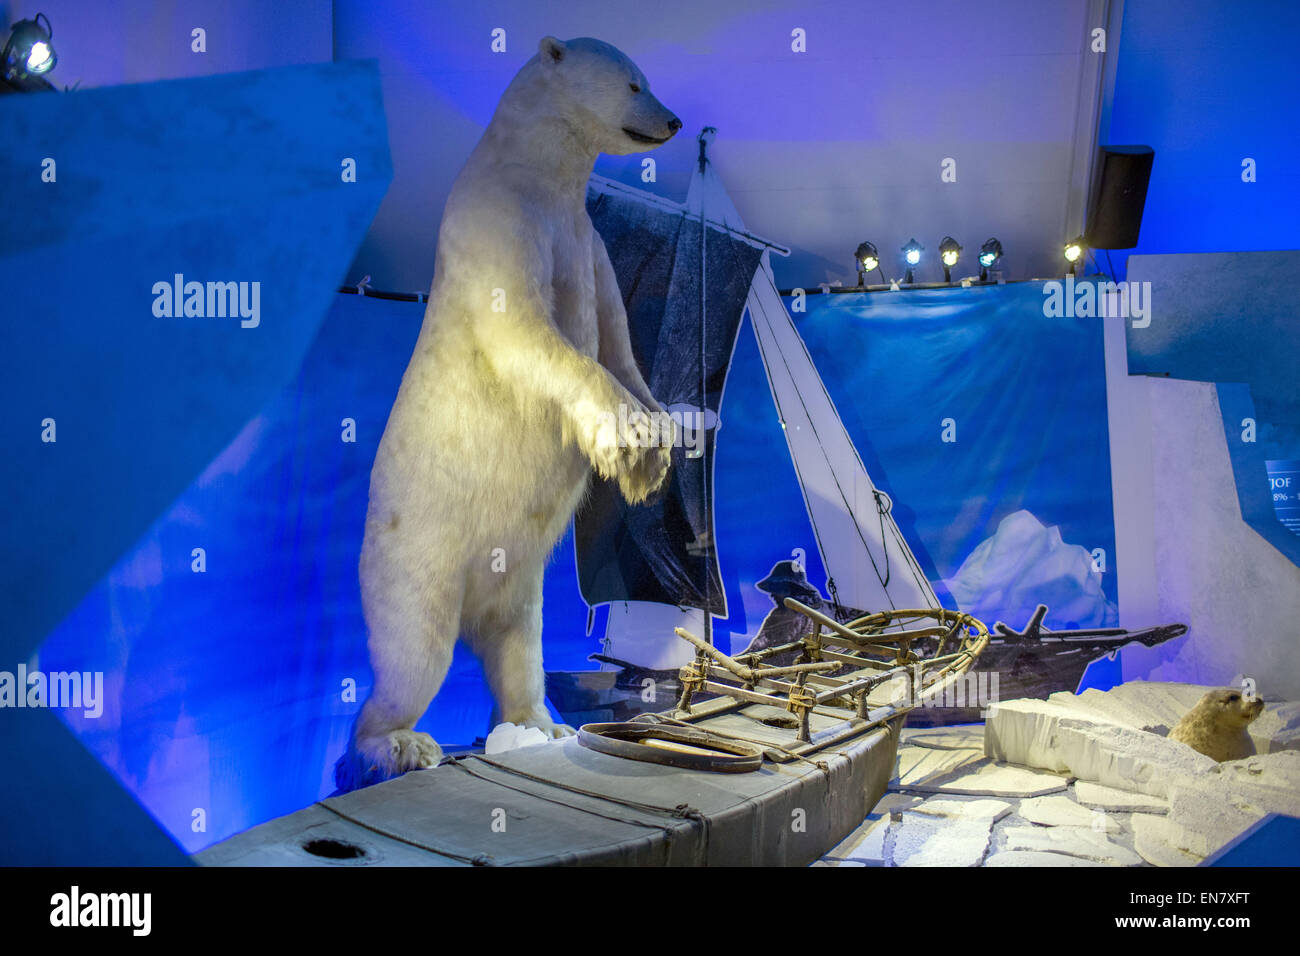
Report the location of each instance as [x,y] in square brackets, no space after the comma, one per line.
[838,487]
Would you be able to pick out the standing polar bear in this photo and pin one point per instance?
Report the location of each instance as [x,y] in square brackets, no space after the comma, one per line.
[522,381]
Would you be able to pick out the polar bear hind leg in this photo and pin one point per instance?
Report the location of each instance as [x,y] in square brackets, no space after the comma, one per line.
[413,629]
[507,638]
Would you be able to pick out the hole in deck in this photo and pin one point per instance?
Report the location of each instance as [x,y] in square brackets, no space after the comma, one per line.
[334,849]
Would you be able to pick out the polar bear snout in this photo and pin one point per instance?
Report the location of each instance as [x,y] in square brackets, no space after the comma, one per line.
[651,123]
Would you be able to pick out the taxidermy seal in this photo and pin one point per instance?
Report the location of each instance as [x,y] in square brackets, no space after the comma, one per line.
[1216,726]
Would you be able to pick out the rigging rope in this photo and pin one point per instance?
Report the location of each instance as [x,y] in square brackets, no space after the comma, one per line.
[881,498]
[794,458]
[703,407]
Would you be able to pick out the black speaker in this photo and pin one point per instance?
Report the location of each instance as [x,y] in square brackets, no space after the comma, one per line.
[1120,192]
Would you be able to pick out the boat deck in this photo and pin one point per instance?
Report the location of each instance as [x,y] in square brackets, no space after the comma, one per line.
[563,804]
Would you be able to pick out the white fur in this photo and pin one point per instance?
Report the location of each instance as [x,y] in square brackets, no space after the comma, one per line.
[501,415]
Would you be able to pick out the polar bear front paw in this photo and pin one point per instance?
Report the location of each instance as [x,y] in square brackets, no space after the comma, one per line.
[631,446]
[646,475]
[372,760]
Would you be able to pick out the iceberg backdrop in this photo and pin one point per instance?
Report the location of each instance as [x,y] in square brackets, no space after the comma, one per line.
[1024,564]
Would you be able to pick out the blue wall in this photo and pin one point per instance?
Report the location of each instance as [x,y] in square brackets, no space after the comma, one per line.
[1208,84]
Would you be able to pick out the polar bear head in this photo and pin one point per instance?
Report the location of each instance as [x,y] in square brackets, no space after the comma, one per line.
[597,91]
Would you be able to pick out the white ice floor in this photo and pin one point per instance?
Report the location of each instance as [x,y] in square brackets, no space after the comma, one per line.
[1087,780]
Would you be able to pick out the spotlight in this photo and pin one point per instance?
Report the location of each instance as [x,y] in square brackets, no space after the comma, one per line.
[990,253]
[949,252]
[912,253]
[868,261]
[29,54]
[1073,253]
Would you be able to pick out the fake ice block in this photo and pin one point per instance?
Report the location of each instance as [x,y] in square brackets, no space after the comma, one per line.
[239,185]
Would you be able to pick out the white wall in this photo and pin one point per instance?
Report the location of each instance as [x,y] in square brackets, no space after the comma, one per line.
[1183,552]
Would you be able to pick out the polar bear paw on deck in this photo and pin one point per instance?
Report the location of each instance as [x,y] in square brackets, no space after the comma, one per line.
[370,760]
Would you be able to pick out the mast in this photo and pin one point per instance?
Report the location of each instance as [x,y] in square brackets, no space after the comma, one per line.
[654,565]
[869,565]
[654,561]
[705,137]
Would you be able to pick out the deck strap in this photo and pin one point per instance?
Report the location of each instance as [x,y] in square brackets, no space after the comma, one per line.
[483,859]
[682,811]
[669,829]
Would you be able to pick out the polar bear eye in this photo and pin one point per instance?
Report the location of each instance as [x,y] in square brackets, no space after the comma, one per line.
[634,88]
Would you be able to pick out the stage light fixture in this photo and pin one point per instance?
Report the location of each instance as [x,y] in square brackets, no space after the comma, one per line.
[1073,253]
[912,254]
[990,253]
[29,53]
[868,261]
[949,253]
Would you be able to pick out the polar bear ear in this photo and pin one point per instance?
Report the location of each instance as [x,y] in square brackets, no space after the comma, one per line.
[551,49]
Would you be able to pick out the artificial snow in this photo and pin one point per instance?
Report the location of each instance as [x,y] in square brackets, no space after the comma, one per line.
[991,810]
[923,840]
[1071,841]
[1079,741]
[917,765]
[865,846]
[1010,797]
[1060,811]
[1115,739]
[980,776]
[1117,801]
[960,737]
[1160,842]
[509,736]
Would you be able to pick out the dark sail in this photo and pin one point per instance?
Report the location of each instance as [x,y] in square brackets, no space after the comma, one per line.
[664,552]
